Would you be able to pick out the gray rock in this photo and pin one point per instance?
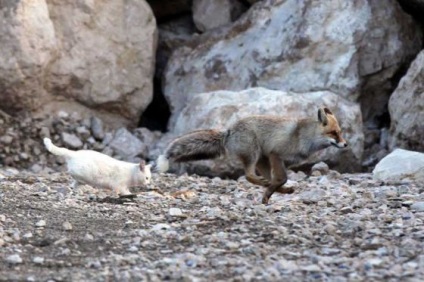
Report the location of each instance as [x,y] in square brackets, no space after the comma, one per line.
[346,210]
[38,260]
[175,212]
[322,167]
[97,128]
[6,139]
[67,226]
[83,132]
[212,14]
[418,206]
[313,196]
[127,145]
[359,56]
[14,259]
[41,223]
[111,75]
[400,165]
[71,141]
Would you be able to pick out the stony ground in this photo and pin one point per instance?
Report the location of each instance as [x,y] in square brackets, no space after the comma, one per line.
[188,228]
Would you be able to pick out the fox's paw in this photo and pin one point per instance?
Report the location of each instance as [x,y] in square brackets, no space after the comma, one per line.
[264,182]
[285,190]
[128,196]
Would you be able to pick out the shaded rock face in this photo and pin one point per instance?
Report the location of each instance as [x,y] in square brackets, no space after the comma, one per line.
[401,165]
[351,48]
[222,108]
[406,109]
[95,54]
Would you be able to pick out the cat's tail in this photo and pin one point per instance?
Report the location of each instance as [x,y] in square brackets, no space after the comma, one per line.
[58,151]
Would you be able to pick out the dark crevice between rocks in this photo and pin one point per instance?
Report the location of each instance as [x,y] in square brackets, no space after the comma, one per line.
[157,114]
[414,8]
[167,10]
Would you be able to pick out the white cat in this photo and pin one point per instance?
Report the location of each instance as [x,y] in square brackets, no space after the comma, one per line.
[101,171]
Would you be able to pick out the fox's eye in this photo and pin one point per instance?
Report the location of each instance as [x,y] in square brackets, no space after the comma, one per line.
[334,133]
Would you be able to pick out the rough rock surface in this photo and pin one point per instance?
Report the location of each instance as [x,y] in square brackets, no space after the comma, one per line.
[222,108]
[98,53]
[406,109]
[212,14]
[347,47]
[401,165]
[195,229]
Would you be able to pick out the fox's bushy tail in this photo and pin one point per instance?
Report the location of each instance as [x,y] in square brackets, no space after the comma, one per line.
[194,146]
[56,150]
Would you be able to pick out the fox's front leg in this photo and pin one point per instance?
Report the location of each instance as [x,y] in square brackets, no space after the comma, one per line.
[278,178]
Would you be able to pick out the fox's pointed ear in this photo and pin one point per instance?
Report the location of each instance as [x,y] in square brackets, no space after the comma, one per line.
[322,117]
[142,165]
[327,111]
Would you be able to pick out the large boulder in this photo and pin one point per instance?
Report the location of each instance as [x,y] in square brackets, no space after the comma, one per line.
[400,165]
[28,44]
[93,56]
[222,108]
[346,47]
[406,109]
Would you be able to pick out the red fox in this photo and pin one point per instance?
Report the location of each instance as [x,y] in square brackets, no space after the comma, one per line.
[262,143]
[101,171]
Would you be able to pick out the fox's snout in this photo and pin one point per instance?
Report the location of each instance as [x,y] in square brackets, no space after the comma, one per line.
[339,144]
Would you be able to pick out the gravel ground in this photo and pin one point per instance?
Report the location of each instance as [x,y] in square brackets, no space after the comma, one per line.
[188,228]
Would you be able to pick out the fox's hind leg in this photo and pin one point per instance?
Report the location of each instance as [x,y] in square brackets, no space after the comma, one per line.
[264,168]
[249,164]
[278,178]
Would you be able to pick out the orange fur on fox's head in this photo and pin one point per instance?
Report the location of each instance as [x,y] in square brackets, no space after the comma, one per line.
[331,128]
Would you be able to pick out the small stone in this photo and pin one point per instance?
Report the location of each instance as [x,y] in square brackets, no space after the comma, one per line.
[14,259]
[41,223]
[346,210]
[23,156]
[63,114]
[407,203]
[175,212]
[312,196]
[38,260]
[311,268]
[83,132]
[322,167]
[316,173]
[97,128]
[67,226]
[6,139]
[71,140]
[418,206]
[160,226]
[89,237]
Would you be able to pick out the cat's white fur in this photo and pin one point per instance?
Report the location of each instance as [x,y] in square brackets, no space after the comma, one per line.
[100,170]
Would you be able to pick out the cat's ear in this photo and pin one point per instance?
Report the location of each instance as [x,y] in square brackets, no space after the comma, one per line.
[142,165]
